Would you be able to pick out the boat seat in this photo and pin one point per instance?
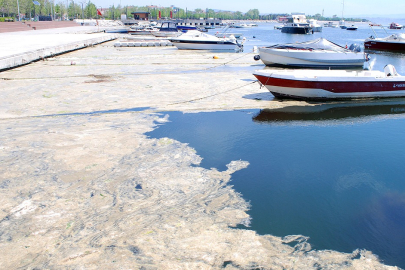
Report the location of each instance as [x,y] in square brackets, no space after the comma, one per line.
[390,70]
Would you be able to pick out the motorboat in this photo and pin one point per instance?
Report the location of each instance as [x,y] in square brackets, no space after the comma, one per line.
[168,29]
[185,28]
[297,24]
[332,84]
[196,40]
[225,34]
[315,53]
[395,42]
[316,27]
[352,27]
[146,30]
[342,24]
[116,31]
[394,25]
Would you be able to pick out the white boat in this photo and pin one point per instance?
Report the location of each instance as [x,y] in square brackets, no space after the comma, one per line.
[316,27]
[332,84]
[315,53]
[168,29]
[196,40]
[147,30]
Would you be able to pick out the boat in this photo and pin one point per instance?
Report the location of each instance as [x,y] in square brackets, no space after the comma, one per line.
[352,27]
[395,42]
[394,25]
[316,27]
[315,53]
[196,40]
[147,30]
[342,23]
[168,29]
[332,84]
[297,24]
[185,28]
[333,25]
[116,31]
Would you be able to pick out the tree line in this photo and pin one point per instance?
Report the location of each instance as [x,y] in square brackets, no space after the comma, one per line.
[82,9]
[71,9]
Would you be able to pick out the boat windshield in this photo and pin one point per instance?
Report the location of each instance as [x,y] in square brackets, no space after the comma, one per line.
[317,44]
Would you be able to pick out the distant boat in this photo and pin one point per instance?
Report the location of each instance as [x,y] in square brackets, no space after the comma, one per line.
[395,42]
[395,26]
[316,27]
[316,53]
[117,30]
[352,27]
[297,24]
[332,84]
[142,30]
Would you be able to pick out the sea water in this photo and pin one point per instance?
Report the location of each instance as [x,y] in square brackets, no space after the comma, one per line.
[334,172]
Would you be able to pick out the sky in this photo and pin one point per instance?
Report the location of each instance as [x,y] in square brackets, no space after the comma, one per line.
[352,8]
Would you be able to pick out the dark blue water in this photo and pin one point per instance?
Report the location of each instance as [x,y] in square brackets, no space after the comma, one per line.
[333,172]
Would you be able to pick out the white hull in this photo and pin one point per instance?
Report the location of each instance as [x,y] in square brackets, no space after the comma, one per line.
[313,58]
[166,34]
[196,46]
[313,93]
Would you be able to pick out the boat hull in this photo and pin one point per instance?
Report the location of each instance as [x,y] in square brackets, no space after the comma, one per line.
[296,30]
[382,45]
[206,45]
[333,87]
[311,58]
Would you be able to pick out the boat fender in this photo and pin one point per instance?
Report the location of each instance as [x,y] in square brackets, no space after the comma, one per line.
[256,57]
[254,37]
[215,57]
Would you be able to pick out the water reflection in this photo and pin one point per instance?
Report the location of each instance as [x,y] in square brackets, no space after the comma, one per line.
[332,111]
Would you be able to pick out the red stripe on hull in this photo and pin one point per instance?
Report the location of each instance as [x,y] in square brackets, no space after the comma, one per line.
[335,86]
[376,45]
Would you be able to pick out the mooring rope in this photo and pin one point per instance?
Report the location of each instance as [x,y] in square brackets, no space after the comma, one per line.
[200,98]
[223,64]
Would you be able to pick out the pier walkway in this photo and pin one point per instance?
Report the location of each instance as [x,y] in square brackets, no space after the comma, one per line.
[23,43]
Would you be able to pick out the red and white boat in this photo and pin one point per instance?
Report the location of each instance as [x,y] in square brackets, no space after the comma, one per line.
[332,84]
[395,42]
[395,26]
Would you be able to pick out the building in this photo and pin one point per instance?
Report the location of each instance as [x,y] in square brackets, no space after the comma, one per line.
[141,15]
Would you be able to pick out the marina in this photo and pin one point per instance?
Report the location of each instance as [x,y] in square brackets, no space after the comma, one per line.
[154,157]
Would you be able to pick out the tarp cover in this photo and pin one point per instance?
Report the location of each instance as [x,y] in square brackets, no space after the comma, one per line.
[317,44]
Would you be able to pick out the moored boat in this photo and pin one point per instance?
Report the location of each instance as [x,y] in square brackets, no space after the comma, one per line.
[147,30]
[196,40]
[395,42]
[394,25]
[297,24]
[352,27]
[332,84]
[315,53]
[168,29]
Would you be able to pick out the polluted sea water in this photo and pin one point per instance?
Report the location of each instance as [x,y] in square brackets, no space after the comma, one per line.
[82,190]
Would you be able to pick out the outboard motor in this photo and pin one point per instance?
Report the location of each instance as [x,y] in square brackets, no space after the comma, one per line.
[390,70]
[355,47]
